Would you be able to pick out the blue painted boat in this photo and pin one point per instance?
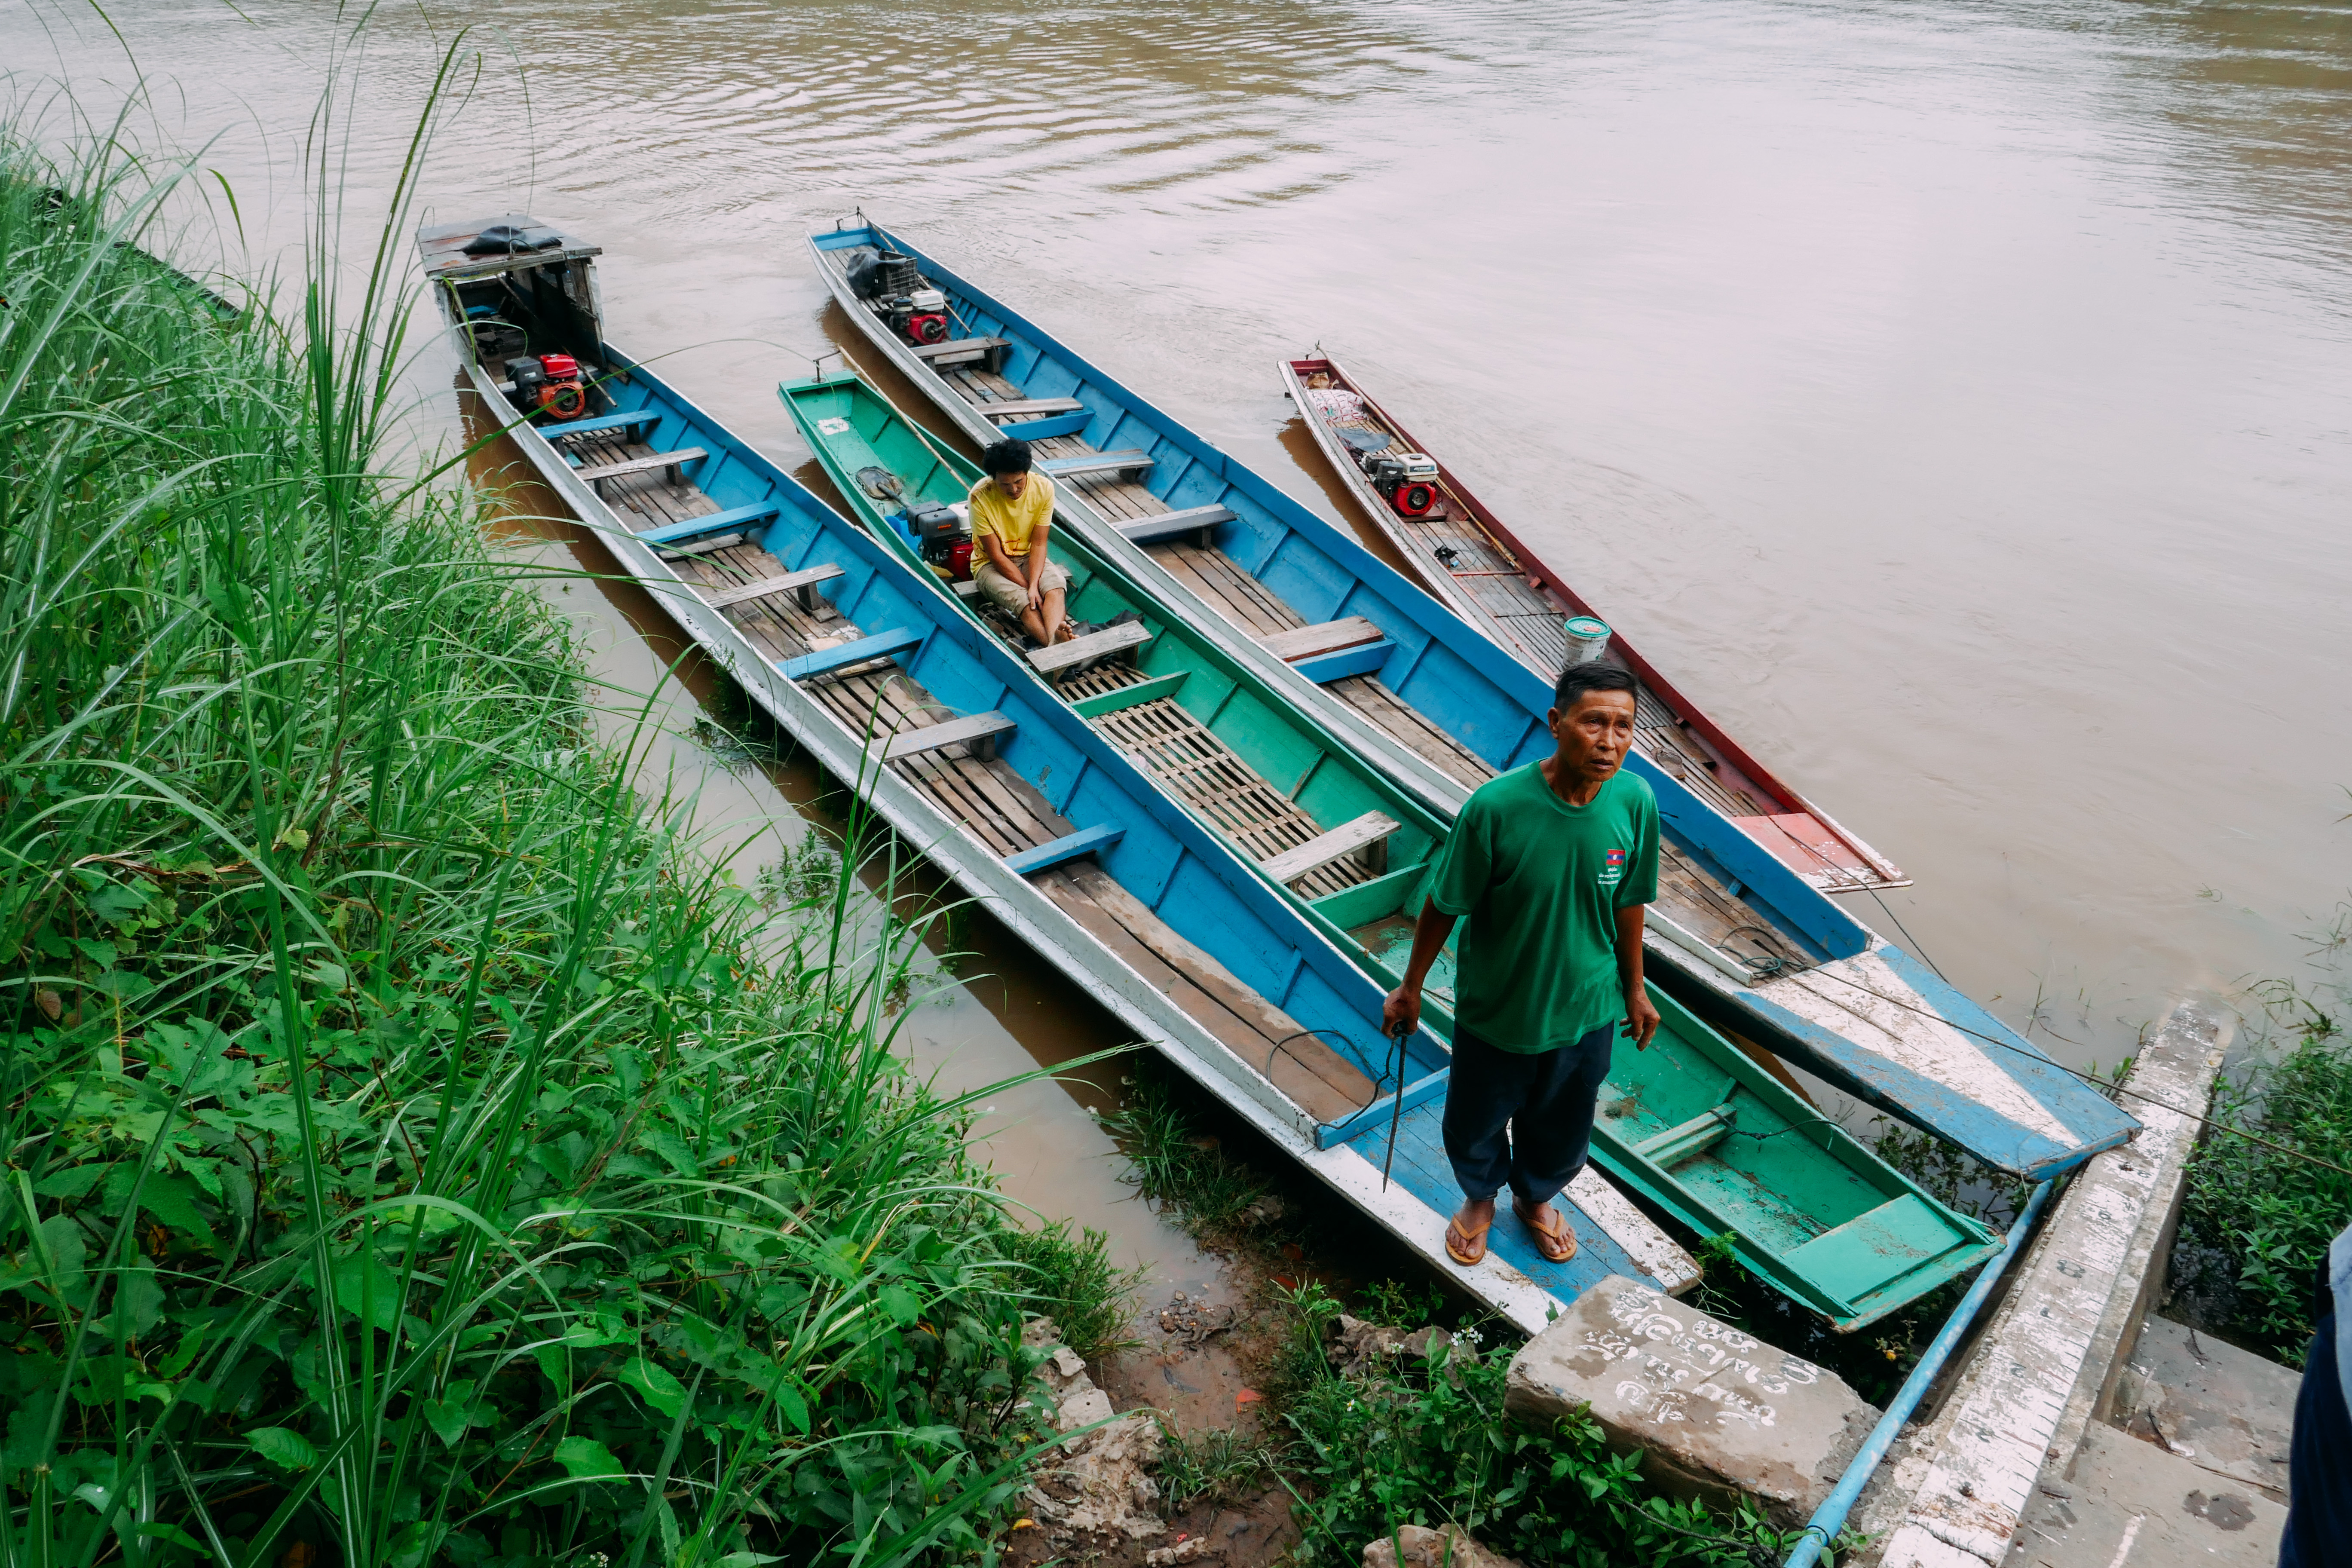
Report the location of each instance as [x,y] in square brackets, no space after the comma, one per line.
[966,751]
[1744,939]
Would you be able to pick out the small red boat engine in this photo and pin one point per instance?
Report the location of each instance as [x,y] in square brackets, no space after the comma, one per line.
[920,317]
[943,534]
[562,394]
[1407,481]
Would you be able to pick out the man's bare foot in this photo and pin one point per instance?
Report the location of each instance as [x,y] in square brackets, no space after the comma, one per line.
[1553,1238]
[1466,1233]
[1063,634]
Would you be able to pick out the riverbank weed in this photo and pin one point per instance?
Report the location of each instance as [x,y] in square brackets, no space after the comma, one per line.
[415,1152]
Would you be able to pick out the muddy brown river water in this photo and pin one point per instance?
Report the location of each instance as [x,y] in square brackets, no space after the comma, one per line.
[1956,397]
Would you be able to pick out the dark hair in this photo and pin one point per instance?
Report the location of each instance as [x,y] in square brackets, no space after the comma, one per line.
[1578,678]
[1010,456]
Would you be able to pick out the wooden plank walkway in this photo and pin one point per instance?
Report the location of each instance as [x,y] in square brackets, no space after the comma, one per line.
[1003,810]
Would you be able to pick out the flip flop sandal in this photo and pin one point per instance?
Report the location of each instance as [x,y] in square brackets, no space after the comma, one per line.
[1555,1241]
[1467,1247]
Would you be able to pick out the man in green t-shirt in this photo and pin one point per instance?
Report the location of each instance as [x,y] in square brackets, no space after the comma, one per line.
[1552,863]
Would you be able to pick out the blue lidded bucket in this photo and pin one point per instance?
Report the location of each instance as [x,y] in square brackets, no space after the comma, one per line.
[1588,639]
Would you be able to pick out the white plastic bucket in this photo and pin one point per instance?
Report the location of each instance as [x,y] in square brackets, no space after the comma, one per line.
[1588,639]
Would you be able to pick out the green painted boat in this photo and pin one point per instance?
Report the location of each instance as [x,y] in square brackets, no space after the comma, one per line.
[1692,1126]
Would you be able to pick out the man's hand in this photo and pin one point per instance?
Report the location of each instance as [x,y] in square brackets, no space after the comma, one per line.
[1641,1018]
[1036,598]
[1401,1014]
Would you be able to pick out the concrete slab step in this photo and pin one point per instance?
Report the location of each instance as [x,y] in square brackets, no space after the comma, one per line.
[2129,1504]
[2225,1409]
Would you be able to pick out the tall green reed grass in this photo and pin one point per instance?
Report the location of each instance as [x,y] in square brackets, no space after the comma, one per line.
[407,1159]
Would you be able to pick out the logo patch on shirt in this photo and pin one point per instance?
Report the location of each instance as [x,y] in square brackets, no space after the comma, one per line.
[1612,867]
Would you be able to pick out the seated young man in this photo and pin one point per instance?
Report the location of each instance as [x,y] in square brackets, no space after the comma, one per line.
[1011,513]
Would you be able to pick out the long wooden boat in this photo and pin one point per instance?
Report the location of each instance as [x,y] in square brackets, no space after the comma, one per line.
[965,748]
[1693,1125]
[1741,935]
[1459,550]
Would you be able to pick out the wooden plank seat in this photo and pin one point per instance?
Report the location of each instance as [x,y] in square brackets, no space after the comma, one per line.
[804,580]
[958,351]
[734,517]
[1323,637]
[1133,460]
[844,656]
[1197,520]
[976,730]
[1021,407]
[628,423]
[1088,650]
[668,462]
[700,547]
[1069,847]
[1319,851]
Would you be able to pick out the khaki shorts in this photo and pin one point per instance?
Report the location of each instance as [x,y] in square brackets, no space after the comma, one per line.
[1010,596]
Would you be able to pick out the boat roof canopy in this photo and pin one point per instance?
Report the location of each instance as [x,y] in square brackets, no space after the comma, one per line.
[444,248]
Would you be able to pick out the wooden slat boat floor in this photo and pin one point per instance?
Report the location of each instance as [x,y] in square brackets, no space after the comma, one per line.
[1243,599]
[1002,810]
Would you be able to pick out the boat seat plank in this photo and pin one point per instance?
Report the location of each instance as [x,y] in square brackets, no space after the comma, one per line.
[1346,839]
[977,731]
[955,351]
[700,547]
[1092,645]
[709,522]
[824,661]
[1686,1142]
[1364,658]
[668,462]
[805,579]
[1192,520]
[1019,406]
[602,424]
[1323,637]
[1069,847]
[1131,459]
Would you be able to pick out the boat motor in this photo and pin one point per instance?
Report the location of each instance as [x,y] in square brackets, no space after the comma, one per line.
[920,317]
[881,275]
[943,534]
[1408,481]
[548,384]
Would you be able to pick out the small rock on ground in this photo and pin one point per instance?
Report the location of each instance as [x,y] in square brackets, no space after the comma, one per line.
[1426,1548]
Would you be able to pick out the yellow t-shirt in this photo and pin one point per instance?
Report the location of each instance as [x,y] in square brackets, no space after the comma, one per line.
[1014,521]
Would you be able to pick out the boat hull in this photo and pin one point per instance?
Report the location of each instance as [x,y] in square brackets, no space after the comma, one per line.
[1492,707]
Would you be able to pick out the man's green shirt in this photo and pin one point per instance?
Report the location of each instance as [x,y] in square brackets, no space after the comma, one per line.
[1542,881]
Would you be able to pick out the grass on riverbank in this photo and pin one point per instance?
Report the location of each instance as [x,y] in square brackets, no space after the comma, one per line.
[2259,1217]
[407,1159]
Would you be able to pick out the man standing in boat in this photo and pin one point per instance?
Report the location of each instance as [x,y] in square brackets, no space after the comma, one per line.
[1011,513]
[1552,863]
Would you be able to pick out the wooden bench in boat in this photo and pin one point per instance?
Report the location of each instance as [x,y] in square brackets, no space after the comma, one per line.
[959,351]
[628,424]
[1319,851]
[1323,637]
[844,656]
[977,731]
[805,580]
[1027,405]
[1131,461]
[736,516]
[1089,649]
[1069,847]
[700,547]
[667,461]
[1194,519]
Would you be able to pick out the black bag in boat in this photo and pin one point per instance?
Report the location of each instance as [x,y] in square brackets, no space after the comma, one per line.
[506,239]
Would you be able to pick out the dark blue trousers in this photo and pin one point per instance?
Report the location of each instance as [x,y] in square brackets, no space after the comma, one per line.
[2319,1467]
[1522,1120]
